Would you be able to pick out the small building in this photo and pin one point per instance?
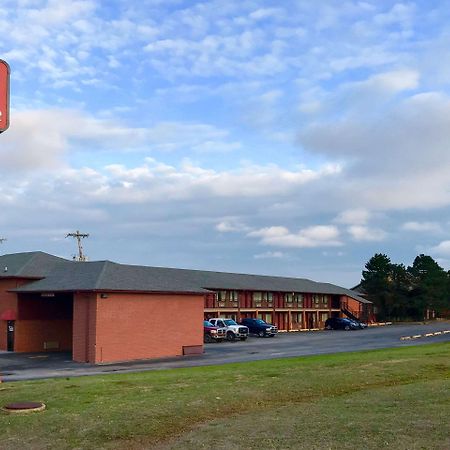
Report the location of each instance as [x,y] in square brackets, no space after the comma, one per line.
[103,311]
[100,311]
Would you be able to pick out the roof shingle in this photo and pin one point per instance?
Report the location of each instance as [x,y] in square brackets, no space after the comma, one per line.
[64,275]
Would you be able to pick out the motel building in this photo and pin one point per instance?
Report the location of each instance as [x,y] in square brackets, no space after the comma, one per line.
[103,312]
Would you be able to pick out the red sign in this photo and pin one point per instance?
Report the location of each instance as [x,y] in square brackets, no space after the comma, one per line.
[4,95]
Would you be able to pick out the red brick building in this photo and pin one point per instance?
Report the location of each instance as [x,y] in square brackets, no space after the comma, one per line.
[103,311]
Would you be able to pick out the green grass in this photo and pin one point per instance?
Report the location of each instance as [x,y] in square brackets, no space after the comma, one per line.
[397,398]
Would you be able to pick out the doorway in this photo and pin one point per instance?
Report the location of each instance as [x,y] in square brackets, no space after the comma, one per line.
[10,335]
[311,320]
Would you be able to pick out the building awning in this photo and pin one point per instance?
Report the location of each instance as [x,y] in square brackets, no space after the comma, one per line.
[8,314]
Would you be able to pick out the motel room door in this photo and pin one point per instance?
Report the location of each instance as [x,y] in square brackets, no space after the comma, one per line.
[10,335]
[311,319]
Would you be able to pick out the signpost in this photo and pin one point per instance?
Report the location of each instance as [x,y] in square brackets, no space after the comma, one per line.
[4,96]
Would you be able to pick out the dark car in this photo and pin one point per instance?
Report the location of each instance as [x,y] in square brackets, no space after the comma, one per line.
[337,323]
[260,327]
[359,324]
[212,333]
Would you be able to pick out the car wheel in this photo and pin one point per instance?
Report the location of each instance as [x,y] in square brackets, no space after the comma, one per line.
[261,333]
[207,339]
[346,328]
[328,327]
[230,336]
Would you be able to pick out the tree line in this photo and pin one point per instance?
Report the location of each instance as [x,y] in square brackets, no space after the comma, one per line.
[417,292]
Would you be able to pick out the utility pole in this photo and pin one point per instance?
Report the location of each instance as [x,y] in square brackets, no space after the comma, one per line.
[78,236]
[2,240]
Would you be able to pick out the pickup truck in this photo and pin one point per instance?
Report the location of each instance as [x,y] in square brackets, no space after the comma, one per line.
[212,333]
[260,327]
[234,331]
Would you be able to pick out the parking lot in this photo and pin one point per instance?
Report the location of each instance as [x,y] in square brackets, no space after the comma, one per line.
[19,366]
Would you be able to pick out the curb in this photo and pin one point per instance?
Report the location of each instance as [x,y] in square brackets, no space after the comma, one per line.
[418,336]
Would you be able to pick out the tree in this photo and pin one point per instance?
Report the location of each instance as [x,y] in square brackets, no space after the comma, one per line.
[399,289]
[418,292]
[429,286]
[375,281]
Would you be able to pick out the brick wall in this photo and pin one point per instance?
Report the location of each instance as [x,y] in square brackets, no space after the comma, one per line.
[31,335]
[84,327]
[8,301]
[141,326]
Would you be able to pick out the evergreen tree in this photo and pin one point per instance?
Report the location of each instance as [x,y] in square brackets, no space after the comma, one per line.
[375,281]
[429,286]
[399,288]
[418,292]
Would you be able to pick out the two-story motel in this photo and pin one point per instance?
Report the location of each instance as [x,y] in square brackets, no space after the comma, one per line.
[102,311]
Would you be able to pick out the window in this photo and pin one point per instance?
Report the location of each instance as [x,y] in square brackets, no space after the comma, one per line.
[293,297]
[222,296]
[289,297]
[257,297]
[298,298]
[320,300]
[234,296]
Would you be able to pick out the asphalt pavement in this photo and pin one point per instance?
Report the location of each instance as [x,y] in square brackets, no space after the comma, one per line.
[27,366]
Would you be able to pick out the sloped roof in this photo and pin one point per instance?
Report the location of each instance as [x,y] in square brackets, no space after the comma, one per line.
[28,265]
[110,276]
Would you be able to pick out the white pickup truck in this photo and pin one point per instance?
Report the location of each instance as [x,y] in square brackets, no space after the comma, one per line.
[234,330]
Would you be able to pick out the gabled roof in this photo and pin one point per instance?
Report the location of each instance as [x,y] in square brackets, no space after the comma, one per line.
[28,265]
[109,276]
[67,276]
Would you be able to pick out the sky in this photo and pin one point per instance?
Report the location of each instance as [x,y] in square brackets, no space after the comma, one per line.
[290,138]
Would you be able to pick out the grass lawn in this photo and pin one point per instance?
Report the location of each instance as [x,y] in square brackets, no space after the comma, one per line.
[396,398]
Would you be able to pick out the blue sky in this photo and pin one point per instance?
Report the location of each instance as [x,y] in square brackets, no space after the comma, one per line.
[294,138]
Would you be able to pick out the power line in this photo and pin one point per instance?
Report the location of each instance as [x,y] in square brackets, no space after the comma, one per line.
[78,236]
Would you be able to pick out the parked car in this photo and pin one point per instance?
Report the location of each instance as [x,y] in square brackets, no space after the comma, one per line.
[260,327]
[359,324]
[233,330]
[338,323]
[212,333]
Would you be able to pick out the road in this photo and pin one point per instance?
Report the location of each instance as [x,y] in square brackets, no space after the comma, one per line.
[19,366]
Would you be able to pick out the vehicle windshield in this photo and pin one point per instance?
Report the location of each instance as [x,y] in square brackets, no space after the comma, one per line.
[206,323]
[230,322]
[260,322]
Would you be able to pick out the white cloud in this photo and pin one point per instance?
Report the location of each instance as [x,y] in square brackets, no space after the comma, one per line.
[353,217]
[421,226]
[443,248]
[363,233]
[264,13]
[314,236]
[228,226]
[42,138]
[269,255]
